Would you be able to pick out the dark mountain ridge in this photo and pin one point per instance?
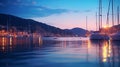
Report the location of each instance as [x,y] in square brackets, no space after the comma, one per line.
[21,24]
[17,24]
[78,31]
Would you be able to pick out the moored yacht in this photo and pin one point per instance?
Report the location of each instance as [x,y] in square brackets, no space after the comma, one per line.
[99,36]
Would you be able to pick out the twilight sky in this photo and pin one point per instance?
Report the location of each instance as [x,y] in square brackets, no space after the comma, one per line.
[60,13]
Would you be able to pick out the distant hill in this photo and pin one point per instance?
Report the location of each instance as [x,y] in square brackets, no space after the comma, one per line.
[19,24]
[115,28]
[78,31]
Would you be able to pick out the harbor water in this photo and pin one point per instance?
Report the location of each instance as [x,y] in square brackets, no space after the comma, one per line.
[58,52]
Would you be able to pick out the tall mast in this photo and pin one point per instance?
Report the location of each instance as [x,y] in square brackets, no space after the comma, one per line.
[118,15]
[107,22]
[8,25]
[100,14]
[86,23]
[96,21]
[112,13]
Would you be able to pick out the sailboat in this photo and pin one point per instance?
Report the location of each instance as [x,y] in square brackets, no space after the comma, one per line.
[98,35]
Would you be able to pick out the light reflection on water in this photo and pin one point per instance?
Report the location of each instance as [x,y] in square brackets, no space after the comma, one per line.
[60,52]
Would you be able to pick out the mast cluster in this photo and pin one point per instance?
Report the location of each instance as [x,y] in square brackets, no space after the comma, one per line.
[100,14]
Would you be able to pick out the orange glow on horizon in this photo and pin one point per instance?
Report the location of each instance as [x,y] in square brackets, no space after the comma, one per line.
[106,26]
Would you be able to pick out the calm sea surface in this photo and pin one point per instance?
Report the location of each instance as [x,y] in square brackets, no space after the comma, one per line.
[58,52]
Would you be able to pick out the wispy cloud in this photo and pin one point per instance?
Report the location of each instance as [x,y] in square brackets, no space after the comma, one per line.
[88,11]
[29,9]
